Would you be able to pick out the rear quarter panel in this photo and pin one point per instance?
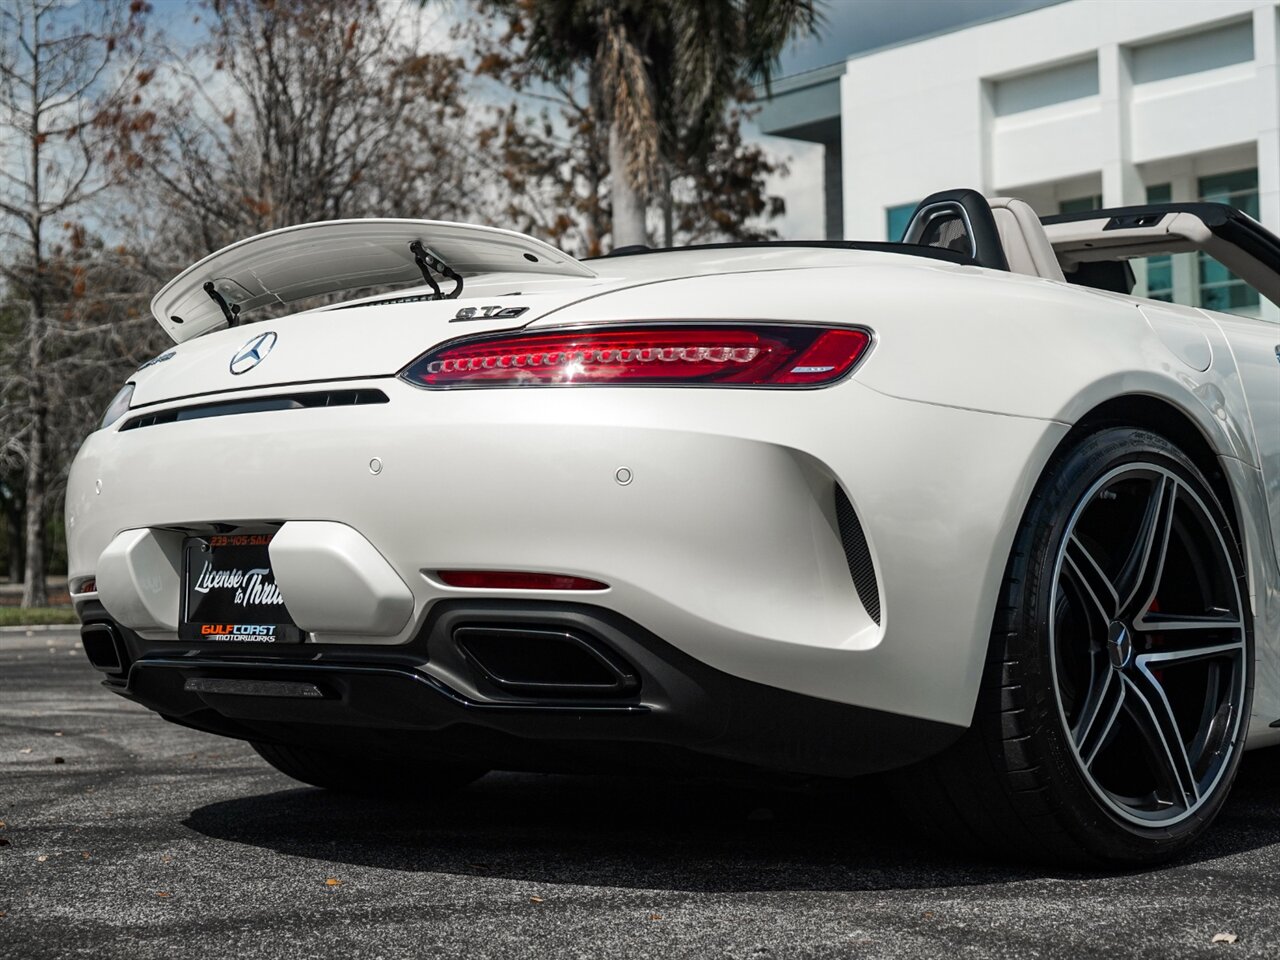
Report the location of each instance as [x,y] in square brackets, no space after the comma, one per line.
[1012,345]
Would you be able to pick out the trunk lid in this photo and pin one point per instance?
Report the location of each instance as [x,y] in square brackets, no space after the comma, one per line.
[350,343]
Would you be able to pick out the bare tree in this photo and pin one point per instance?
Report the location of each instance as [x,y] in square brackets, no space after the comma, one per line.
[291,111]
[62,71]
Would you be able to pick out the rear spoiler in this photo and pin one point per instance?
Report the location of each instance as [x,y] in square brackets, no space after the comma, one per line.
[313,259]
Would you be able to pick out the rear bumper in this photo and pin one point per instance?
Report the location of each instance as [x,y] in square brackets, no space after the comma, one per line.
[726,543]
[427,698]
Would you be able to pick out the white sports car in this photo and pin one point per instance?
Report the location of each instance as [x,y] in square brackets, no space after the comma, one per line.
[962,505]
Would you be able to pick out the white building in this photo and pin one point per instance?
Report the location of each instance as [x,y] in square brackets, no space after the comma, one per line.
[1087,103]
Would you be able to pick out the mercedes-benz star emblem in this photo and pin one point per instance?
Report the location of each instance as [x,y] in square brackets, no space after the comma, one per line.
[253,352]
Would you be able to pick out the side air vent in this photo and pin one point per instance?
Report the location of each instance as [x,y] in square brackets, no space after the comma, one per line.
[284,401]
[857,554]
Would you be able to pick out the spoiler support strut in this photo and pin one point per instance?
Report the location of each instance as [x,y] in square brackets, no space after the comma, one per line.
[427,261]
[230,311]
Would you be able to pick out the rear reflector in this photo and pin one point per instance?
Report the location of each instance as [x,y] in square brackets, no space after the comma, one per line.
[513,580]
[755,355]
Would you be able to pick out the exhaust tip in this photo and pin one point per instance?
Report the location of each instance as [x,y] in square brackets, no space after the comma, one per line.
[545,663]
[104,647]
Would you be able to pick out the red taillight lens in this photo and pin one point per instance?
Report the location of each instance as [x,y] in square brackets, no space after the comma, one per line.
[514,580]
[781,356]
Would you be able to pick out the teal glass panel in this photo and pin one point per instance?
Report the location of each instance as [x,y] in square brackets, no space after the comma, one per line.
[1220,289]
[1160,269]
[896,220]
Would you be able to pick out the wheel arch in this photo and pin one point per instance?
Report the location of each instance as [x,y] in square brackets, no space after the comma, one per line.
[1159,415]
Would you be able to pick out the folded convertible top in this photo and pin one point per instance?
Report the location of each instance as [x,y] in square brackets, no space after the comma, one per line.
[312,259]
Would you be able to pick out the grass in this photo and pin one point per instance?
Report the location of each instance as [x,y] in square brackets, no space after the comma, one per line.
[24,617]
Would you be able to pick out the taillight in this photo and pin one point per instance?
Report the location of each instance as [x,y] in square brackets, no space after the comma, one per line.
[756,355]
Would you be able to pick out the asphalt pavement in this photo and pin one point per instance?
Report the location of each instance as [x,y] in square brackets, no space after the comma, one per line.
[122,835]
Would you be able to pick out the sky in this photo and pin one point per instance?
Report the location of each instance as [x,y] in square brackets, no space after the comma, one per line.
[851,27]
[856,26]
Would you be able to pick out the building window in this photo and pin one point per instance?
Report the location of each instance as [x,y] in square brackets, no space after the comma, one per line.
[896,220]
[1160,269]
[1197,279]
[1081,204]
[1220,289]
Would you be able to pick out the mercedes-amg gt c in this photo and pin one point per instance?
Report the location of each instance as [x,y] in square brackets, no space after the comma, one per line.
[961,507]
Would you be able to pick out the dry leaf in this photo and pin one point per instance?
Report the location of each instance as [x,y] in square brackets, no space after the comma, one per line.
[655,916]
[535,900]
[333,882]
[1224,938]
[163,893]
[85,855]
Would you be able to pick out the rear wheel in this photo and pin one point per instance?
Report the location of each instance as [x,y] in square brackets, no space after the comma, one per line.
[349,773]
[1115,699]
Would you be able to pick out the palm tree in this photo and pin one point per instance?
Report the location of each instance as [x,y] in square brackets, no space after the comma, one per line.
[660,72]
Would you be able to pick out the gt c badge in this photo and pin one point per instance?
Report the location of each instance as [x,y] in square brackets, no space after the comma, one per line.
[495,312]
[253,352]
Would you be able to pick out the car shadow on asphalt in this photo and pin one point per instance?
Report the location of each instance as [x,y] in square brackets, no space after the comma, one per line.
[695,836]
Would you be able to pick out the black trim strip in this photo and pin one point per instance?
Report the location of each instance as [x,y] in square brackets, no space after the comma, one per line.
[868,246]
[279,401]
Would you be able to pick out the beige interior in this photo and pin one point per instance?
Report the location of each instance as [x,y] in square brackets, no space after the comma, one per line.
[1026,246]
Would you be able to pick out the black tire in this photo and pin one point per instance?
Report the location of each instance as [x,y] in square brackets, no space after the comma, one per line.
[1069,729]
[368,775]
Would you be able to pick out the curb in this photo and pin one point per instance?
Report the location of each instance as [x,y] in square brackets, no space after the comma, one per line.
[38,628]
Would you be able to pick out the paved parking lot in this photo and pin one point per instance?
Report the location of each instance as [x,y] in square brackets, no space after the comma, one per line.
[125,836]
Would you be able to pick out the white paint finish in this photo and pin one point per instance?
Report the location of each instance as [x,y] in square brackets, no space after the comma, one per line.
[950,342]
[360,341]
[140,578]
[725,541]
[1255,347]
[1181,334]
[335,582]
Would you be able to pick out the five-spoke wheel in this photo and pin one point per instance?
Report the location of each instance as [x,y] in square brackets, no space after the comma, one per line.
[1114,704]
[1148,643]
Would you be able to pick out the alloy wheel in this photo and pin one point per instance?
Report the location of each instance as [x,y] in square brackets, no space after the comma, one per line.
[1148,644]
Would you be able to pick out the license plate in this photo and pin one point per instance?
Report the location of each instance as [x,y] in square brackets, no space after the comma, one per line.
[230,593]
